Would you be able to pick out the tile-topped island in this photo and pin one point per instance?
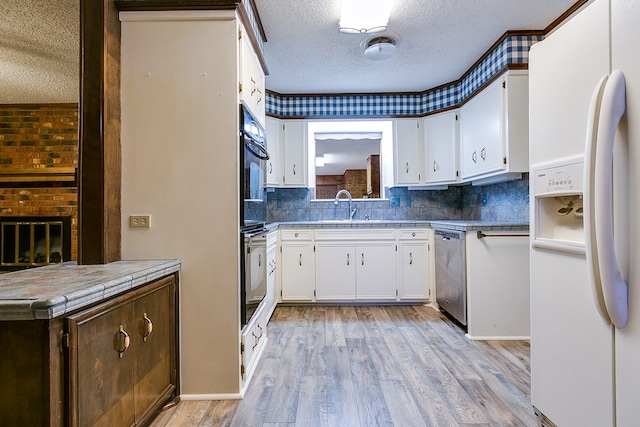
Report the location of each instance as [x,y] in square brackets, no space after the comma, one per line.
[89,344]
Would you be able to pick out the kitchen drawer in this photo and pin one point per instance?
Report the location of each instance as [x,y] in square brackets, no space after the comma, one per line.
[413,234]
[302,235]
[353,234]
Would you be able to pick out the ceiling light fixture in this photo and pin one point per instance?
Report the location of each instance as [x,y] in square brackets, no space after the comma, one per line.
[380,48]
[364,16]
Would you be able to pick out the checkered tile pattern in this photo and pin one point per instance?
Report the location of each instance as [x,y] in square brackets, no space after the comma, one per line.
[513,50]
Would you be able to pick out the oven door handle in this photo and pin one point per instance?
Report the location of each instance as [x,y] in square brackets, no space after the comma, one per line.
[254,147]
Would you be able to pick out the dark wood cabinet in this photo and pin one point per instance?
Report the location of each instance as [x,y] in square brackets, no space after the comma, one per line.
[112,364]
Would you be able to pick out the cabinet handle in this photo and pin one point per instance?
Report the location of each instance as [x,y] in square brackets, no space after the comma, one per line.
[148,326]
[296,235]
[259,260]
[347,259]
[270,168]
[474,157]
[256,340]
[254,87]
[410,258]
[434,165]
[259,96]
[294,168]
[300,260]
[123,341]
[362,259]
[407,167]
[413,234]
[483,153]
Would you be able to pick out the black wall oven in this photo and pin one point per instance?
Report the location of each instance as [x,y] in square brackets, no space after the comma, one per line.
[253,157]
[253,215]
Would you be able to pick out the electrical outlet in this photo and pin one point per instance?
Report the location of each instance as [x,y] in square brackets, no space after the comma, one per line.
[140,221]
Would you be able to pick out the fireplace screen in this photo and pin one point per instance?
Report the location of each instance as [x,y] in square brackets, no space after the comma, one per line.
[33,242]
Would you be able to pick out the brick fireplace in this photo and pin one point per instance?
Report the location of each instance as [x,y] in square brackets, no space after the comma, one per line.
[38,163]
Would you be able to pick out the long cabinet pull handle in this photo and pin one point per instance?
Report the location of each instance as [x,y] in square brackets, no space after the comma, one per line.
[362,259]
[347,259]
[270,167]
[474,156]
[410,258]
[300,260]
[434,165]
[294,168]
[148,327]
[483,153]
[259,260]
[123,341]
[407,167]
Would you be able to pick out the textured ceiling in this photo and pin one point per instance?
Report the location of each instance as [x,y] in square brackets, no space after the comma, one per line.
[437,42]
[39,51]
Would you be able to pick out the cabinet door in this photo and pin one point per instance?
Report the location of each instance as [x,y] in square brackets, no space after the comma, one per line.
[407,152]
[335,271]
[101,362]
[151,341]
[375,271]
[297,272]
[482,132]
[294,151]
[441,133]
[273,130]
[251,79]
[414,271]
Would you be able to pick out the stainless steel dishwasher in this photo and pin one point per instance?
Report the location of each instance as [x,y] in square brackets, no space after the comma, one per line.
[451,273]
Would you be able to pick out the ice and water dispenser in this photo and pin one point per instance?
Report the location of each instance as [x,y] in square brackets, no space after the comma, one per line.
[558,194]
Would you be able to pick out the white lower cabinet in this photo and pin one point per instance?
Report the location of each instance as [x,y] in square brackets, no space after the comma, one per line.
[356,264]
[361,271]
[252,340]
[415,268]
[298,265]
[335,271]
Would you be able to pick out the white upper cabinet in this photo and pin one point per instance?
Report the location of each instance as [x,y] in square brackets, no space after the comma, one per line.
[442,148]
[288,158]
[252,81]
[494,129]
[407,152]
[294,150]
[275,134]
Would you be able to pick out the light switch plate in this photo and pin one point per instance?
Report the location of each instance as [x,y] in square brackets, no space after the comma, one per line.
[140,221]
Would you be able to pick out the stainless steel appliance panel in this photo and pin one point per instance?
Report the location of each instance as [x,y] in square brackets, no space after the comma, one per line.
[451,281]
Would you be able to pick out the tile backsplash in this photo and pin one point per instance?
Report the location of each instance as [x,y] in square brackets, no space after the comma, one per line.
[507,201]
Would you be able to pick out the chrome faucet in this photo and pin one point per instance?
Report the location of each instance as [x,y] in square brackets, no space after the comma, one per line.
[352,212]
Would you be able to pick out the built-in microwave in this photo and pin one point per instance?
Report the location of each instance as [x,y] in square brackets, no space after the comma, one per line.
[253,156]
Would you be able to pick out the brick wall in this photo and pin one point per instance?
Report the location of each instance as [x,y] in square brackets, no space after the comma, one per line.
[40,136]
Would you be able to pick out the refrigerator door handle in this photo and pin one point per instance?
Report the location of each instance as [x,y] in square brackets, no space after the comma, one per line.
[614,287]
[591,248]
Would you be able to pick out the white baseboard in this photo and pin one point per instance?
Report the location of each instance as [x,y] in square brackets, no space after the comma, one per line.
[498,338]
[222,396]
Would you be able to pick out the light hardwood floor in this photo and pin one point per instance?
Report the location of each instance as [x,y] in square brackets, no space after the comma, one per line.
[373,366]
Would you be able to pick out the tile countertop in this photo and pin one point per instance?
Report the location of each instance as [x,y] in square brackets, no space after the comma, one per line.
[460,225]
[465,225]
[51,291]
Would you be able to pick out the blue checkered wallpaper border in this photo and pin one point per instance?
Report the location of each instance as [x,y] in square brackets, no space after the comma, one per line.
[512,50]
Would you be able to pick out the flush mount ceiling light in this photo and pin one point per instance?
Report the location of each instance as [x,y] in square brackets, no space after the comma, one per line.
[380,48]
[365,16]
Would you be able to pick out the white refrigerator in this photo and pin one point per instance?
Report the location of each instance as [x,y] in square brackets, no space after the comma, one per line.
[585,236]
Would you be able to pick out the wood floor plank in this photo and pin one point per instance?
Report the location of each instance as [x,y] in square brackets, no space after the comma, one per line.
[341,394]
[372,408]
[312,409]
[288,375]
[402,407]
